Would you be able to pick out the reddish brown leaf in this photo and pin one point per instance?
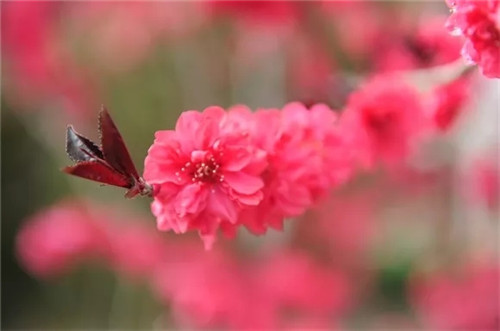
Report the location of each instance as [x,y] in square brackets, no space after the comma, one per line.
[80,148]
[114,149]
[99,172]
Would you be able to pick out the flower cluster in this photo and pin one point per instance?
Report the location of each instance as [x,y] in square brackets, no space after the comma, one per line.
[479,22]
[223,169]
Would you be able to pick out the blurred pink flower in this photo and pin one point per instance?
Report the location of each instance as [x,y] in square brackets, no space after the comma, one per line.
[415,45]
[56,239]
[383,119]
[206,171]
[479,22]
[311,71]
[447,102]
[39,69]
[363,20]
[204,289]
[295,292]
[281,290]
[71,232]
[344,226]
[463,300]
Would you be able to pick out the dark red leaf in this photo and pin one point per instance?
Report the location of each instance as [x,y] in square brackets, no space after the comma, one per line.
[114,149]
[99,172]
[80,148]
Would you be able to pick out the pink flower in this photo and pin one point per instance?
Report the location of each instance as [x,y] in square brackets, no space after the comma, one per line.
[363,21]
[344,226]
[203,289]
[383,120]
[56,239]
[206,171]
[466,299]
[257,294]
[311,72]
[69,233]
[422,46]
[307,157]
[479,22]
[290,281]
[37,64]
[223,170]
[447,101]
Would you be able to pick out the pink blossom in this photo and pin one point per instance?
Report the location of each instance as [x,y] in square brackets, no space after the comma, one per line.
[290,281]
[56,239]
[344,226]
[222,170]
[413,46]
[479,22]
[39,68]
[363,20]
[258,294]
[204,289]
[307,157]
[206,171]
[447,102]
[383,120]
[72,232]
[464,299]
[311,72]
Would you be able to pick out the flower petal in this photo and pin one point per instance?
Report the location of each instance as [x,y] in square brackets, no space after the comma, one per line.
[208,130]
[221,205]
[192,199]
[235,159]
[243,183]
[187,129]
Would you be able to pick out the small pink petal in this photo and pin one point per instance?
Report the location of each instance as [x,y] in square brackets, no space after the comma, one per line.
[198,156]
[220,205]
[163,136]
[191,199]
[236,159]
[243,183]
[208,130]
[249,200]
[187,128]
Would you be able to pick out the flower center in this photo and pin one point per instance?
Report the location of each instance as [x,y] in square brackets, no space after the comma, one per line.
[422,52]
[379,119]
[206,170]
[488,32]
